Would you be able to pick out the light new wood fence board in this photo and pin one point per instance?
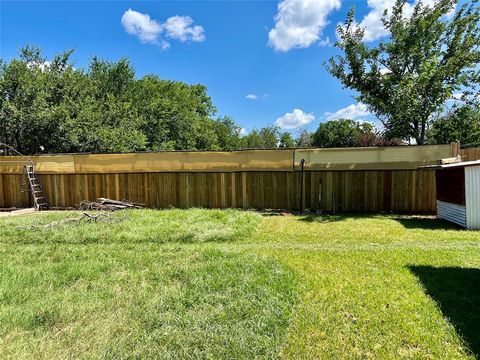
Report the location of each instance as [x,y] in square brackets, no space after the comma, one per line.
[372,158]
[470,154]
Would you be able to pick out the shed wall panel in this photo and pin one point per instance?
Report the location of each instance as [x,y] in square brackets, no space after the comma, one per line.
[451,212]
[472,196]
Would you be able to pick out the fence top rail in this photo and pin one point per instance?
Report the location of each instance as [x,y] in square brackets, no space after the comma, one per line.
[373,158]
[289,149]
[22,158]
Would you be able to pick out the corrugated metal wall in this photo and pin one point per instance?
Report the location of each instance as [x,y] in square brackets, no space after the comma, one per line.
[472,196]
[451,212]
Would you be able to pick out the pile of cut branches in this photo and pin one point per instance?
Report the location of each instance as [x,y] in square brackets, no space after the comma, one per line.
[109,205]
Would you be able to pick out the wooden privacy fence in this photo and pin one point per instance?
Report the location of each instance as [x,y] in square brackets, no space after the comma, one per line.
[470,154]
[355,179]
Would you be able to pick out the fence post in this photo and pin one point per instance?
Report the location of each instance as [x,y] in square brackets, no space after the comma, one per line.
[302,186]
[455,148]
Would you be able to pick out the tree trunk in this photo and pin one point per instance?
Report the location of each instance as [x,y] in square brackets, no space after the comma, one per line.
[422,132]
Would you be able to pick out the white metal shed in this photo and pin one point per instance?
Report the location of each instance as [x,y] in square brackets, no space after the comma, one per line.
[458,193]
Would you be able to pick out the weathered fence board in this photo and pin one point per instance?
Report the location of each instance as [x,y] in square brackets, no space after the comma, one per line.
[470,154]
[352,179]
[365,191]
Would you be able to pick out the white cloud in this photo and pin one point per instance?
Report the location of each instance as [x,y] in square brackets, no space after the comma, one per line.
[326,42]
[385,71]
[165,45]
[256,96]
[354,112]
[372,22]
[150,31]
[43,66]
[140,25]
[243,132]
[299,23]
[297,118]
[180,28]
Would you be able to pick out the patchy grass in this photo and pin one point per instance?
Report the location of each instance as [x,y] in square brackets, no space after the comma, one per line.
[231,284]
[140,226]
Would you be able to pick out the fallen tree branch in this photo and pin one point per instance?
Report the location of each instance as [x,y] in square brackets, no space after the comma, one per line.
[86,217]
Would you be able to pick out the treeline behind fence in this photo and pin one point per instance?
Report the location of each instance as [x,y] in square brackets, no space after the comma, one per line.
[354,179]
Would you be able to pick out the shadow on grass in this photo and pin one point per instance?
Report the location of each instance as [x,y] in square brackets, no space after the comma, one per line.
[326,218]
[426,223]
[314,217]
[457,293]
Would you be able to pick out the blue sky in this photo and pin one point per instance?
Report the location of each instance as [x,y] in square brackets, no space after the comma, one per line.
[261,60]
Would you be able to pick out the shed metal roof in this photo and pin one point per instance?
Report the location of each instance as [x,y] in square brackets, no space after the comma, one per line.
[454,165]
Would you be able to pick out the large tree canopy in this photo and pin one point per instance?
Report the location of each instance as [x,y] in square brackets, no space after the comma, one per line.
[60,108]
[428,57]
[461,123]
[341,133]
[105,108]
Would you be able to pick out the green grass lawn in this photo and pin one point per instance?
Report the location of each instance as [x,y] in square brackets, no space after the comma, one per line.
[238,285]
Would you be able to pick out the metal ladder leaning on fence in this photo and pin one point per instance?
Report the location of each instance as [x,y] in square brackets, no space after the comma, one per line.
[34,186]
[39,199]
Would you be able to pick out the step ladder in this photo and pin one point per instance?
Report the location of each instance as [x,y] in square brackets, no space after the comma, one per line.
[39,199]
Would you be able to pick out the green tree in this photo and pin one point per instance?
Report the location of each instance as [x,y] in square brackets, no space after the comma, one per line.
[227,133]
[462,124]
[340,133]
[265,138]
[251,140]
[34,100]
[103,108]
[407,78]
[304,139]
[108,120]
[270,137]
[177,116]
[286,140]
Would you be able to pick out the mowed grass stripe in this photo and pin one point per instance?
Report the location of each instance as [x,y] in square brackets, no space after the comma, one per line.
[374,305]
[131,303]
